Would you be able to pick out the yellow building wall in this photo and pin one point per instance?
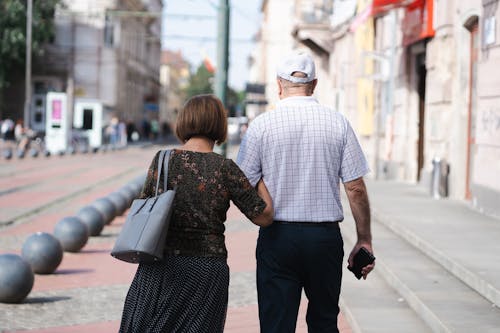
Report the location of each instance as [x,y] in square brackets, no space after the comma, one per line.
[365,42]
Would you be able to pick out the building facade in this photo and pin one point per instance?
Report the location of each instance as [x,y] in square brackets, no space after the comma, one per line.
[273,40]
[107,51]
[416,78]
[174,76]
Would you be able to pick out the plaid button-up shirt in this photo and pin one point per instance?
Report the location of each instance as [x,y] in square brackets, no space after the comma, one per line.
[302,150]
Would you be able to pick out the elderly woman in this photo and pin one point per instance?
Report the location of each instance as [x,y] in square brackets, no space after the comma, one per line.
[188,290]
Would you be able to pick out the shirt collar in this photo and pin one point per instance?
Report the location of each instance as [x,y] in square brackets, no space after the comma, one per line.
[298,100]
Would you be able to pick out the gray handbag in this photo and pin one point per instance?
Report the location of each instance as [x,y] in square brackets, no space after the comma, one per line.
[142,238]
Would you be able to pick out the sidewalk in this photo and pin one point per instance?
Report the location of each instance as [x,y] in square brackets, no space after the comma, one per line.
[460,238]
[437,265]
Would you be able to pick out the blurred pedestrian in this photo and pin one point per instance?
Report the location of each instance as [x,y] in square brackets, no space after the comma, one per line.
[155,129]
[188,290]
[165,129]
[146,128]
[122,134]
[131,128]
[113,132]
[23,135]
[7,131]
[19,130]
[302,150]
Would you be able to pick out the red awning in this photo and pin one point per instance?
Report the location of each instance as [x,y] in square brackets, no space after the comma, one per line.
[382,6]
[377,7]
[418,23]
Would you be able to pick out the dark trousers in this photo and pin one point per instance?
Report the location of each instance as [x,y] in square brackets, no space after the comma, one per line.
[291,257]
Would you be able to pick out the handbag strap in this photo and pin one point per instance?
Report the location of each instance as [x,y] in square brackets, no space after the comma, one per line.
[168,152]
[163,168]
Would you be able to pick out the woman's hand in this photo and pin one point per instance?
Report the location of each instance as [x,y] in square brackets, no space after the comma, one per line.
[266,217]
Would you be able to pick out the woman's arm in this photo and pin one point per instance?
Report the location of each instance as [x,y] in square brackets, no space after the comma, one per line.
[255,203]
[266,217]
[149,187]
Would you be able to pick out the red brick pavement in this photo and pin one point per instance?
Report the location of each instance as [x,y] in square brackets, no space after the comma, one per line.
[93,266]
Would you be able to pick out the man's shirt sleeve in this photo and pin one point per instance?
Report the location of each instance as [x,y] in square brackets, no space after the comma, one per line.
[353,161]
[249,155]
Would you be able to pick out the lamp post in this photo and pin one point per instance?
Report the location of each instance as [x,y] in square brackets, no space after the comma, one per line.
[27,96]
[222,56]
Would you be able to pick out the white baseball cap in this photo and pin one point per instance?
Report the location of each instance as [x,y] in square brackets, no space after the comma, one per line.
[298,61]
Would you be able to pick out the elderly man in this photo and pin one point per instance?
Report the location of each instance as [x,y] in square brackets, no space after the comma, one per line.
[302,150]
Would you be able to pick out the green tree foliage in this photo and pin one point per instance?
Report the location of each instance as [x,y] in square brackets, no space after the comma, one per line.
[234,101]
[13,32]
[201,82]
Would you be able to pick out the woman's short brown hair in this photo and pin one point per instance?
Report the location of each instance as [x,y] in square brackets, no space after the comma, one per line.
[202,115]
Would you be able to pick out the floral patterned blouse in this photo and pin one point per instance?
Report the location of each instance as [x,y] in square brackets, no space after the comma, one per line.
[206,182]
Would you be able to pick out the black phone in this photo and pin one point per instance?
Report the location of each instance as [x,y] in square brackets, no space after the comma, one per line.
[361,259]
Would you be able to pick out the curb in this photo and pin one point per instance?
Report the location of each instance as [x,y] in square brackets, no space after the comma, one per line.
[468,277]
[414,302]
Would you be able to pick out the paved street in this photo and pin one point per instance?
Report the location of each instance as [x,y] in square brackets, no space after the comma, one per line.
[436,267]
[87,291]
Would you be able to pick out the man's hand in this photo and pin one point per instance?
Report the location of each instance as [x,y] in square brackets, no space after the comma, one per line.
[367,269]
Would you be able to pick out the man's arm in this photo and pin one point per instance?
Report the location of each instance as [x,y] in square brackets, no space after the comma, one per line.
[360,207]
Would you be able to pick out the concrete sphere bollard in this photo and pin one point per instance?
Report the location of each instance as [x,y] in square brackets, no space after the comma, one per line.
[72,233]
[119,201]
[139,185]
[92,218]
[132,193]
[7,153]
[106,207]
[140,180]
[43,252]
[34,152]
[20,153]
[136,188]
[16,278]
[127,192]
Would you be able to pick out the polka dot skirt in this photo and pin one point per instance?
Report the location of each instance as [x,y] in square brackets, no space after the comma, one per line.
[179,294]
